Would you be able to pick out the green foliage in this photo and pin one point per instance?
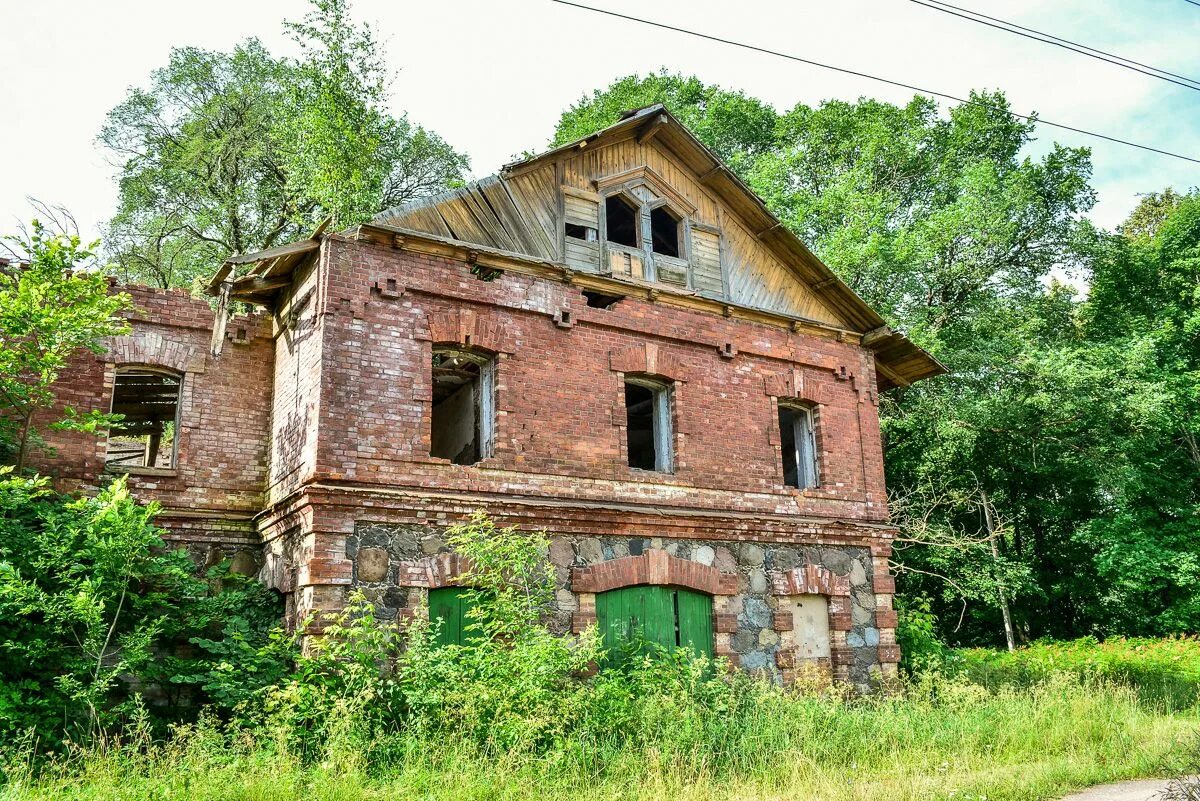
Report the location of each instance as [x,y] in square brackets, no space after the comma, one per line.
[1164,671]
[50,310]
[96,607]
[921,649]
[229,152]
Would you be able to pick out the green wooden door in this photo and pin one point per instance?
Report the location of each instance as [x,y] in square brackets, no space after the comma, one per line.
[669,617]
[451,605]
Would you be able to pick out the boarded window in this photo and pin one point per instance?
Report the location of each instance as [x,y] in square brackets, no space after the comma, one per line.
[669,617]
[810,625]
[621,219]
[463,416]
[648,425]
[148,402]
[581,229]
[797,437]
[665,232]
[706,263]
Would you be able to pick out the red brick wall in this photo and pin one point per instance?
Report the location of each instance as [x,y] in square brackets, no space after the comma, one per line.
[560,404]
[225,412]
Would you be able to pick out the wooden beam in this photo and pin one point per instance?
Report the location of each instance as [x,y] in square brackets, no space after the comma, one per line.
[708,176]
[768,230]
[262,284]
[303,246]
[876,335]
[892,375]
[651,129]
[221,319]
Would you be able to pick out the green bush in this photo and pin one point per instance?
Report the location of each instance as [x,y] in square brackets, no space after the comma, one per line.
[98,611]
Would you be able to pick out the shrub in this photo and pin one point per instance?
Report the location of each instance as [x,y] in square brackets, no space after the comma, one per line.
[96,608]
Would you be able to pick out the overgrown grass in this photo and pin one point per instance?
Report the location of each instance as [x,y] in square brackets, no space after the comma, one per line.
[1165,671]
[933,739]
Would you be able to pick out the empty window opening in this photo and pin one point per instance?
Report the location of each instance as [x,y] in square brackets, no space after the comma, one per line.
[598,300]
[797,437]
[148,402]
[581,232]
[463,418]
[621,221]
[664,232]
[648,429]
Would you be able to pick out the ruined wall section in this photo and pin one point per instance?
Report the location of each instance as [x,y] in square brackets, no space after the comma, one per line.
[218,482]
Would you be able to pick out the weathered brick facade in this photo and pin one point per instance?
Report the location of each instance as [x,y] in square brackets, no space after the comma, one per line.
[306,442]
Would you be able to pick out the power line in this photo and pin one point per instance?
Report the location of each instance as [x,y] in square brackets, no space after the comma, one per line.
[1058,41]
[1193,2]
[890,82]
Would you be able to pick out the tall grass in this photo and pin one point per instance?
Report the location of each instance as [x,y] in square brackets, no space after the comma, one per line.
[1163,671]
[935,738]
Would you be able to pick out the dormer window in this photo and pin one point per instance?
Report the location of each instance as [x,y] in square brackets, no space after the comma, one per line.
[621,221]
[665,229]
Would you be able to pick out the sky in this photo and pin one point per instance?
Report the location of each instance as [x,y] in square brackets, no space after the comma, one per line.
[492,78]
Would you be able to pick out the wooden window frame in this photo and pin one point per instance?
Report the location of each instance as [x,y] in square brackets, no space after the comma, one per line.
[806,451]
[148,470]
[662,400]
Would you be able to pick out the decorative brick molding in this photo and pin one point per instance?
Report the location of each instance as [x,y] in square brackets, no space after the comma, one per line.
[464,327]
[154,350]
[652,567]
[432,572]
[646,358]
[810,579]
[794,384]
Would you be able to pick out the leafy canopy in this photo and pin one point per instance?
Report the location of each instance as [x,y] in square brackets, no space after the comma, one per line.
[230,152]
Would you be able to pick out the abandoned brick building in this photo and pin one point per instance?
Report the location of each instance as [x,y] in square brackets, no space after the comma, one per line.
[614,341]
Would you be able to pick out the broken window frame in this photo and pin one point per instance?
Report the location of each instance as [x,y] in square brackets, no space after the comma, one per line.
[798,425]
[151,451]
[665,209]
[483,401]
[662,431]
[634,205]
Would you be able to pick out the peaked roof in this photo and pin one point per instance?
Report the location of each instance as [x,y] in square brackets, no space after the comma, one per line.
[495,213]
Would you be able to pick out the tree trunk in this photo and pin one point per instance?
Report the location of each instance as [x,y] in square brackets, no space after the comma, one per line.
[24,447]
[990,521]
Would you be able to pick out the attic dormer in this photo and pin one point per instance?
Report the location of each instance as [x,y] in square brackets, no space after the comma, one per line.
[634,225]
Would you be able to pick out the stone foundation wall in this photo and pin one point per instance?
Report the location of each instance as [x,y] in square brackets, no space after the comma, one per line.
[751,584]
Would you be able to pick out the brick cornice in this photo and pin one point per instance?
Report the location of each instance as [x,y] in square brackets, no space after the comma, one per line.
[653,567]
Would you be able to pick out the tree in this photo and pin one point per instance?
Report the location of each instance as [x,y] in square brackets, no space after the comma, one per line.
[50,309]
[232,152]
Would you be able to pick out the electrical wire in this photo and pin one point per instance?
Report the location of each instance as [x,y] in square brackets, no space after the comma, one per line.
[1066,44]
[889,81]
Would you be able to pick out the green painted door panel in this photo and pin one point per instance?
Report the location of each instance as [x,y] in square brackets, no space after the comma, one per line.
[695,622]
[669,617]
[451,606]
